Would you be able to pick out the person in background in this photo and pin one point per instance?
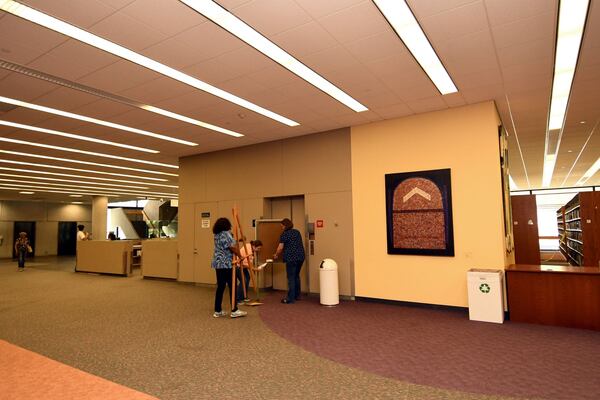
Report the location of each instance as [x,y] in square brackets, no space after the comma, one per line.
[112,236]
[248,251]
[22,247]
[225,248]
[81,234]
[290,243]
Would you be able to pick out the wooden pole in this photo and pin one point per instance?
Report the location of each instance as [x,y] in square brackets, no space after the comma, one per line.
[251,270]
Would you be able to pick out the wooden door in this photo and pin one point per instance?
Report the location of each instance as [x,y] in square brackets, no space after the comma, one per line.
[525,229]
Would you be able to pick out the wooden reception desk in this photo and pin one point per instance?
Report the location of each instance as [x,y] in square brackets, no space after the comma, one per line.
[554,295]
[104,256]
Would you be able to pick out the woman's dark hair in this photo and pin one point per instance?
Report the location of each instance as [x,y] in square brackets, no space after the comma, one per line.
[256,243]
[221,225]
[80,227]
[287,223]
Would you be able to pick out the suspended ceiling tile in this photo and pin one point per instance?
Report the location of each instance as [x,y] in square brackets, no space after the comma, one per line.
[127,32]
[463,80]
[501,12]
[16,31]
[305,39]
[454,100]
[273,76]
[539,49]
[152,13]
[455,22]
[354,23]
[209,41]
[376,47]
[157,90]
[428,104]
[259,15]
[23,88]
[82,14]
[174,53]
[537,27]
[119,76]
[318,8]
[65,99]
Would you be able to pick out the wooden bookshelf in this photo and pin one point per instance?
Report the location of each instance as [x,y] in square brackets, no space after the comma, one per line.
[562,239]
[582,229]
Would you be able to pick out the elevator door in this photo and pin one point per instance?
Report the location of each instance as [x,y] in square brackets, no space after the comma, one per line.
[67,238]
[292,208]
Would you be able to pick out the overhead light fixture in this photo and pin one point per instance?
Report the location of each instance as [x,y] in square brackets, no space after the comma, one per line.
[571,24]
[90,171]
[45,20]
[85,177]
[70,160]
[91,153]
[84,190]
[44,178]
[590,172]
[77,202]
[75,195]
[73,136]
[512,184]
[26,192]
[93,120]
[21,69]
[402,20]
[18,188]
[243,31]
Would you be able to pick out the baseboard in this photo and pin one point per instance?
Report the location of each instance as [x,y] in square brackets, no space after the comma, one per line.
[412,304]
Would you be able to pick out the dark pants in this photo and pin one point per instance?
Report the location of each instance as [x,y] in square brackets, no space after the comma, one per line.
[292,269]
[22,258]
[240,289]
[223,279]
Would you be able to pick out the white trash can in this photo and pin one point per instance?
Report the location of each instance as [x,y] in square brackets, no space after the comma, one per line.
[486,295]
[328,282]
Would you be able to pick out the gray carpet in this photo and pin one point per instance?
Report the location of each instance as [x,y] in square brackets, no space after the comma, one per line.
[159,337]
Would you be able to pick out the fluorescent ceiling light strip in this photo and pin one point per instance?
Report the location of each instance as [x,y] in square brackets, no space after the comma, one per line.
[571,23]
[401,18]
[243,31]
[10,66]
[590,172]
[91,153]
[580,153]
[82,170]
[107,189]
[96,191]
[30,14]
[61,179]
[512,184]
[49,190]
[77,137]
[92,120]
[68,160]
[78,176]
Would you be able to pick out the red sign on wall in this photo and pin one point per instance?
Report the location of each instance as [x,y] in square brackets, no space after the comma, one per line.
[319,223]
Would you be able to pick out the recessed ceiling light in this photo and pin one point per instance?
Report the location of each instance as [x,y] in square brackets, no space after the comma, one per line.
[85,177]
[70,160]
[26,192]
[239,28]
[84,190]
[93,120]
[30,14]
[582,122]
[401,18]
[91,153]
[571,24]
[77,202]
[75,195]
[569,151]
[43,178]
[77,137]
[7,186]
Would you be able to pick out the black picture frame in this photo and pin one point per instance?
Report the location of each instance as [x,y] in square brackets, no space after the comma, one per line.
[441,179]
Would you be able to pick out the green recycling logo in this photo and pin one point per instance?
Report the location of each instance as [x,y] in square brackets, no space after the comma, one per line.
[484,288]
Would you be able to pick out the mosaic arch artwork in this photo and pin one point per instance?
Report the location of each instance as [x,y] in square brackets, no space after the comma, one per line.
[419,213]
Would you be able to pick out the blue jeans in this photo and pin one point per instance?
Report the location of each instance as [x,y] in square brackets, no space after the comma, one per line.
[292,268]
[240,290]
[22,258]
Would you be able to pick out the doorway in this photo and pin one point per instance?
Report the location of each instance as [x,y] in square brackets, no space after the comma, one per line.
[29,228]
[67,238]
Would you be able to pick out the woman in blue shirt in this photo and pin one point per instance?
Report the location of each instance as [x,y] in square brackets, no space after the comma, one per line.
[290,243]
[225,248]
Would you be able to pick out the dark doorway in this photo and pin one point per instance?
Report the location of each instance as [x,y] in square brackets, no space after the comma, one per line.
[29,229]
[67,238]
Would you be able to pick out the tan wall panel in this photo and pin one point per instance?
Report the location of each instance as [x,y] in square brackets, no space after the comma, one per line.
[69,212]
[464,139]
[204,244]
[46,238]
[6,230]
[332,241]
[104,256]
[23,211]
[159,258]
[185,242]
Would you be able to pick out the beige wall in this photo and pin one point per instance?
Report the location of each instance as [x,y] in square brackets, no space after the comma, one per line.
[46,216]
[466,141]
[316,166]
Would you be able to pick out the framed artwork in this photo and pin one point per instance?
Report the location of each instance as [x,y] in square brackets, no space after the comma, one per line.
[419,213]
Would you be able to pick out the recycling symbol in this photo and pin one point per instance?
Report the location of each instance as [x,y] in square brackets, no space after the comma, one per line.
[484,288]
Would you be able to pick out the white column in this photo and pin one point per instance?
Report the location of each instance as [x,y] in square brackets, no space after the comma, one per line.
[99,216]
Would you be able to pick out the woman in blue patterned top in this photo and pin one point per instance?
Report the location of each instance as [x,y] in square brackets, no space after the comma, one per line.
[225,247]
[290,243]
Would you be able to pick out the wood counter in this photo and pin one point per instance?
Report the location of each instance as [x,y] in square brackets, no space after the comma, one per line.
[554,295]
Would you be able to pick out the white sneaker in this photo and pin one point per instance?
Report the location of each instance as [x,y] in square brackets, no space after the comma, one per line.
[220,314]
[238,313]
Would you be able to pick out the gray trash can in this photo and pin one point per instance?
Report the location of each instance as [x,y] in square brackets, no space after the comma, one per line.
[328,282]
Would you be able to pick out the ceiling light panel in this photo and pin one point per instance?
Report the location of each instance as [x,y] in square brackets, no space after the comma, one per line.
[73,136]
[240,29]
[90,153]
[62,179]
[10,66]
[51,190]
[88,163]
[93,120]
[402,20]
[590,172]
[30,14]
[88,189]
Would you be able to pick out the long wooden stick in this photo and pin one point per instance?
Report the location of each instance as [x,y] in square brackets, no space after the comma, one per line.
[252,278]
